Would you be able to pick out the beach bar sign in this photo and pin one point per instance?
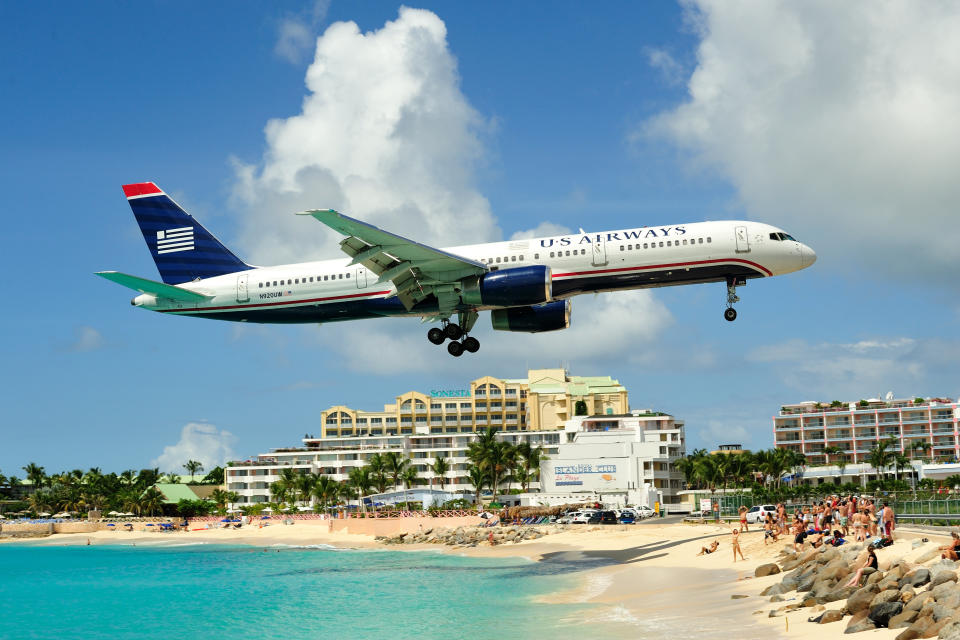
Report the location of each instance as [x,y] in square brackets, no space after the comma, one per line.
[587,475]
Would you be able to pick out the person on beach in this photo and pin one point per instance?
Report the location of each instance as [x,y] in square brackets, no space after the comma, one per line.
[872,518]
[769,529]
[736,545]
[870,563]
[950,550]
[888,520]
[844,518]
[743,517]
[799,535]
[782,518]
[708,550]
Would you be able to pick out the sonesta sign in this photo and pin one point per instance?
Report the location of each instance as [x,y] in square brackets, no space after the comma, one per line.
[450,393]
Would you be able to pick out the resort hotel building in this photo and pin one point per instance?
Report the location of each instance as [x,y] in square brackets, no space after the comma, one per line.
[548,408]
[920,427]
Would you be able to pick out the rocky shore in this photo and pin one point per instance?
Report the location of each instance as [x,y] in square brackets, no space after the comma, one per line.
[473,536]
[919,595]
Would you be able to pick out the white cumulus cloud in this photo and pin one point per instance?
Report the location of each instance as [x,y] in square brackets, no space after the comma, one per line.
[295,33]
[542,230]
[384,135]
[198,441]
[837,120]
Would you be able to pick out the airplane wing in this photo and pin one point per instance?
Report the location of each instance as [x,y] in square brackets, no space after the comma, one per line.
[415,269]
[159,289]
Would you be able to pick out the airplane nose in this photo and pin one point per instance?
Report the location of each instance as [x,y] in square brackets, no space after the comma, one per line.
[807,256]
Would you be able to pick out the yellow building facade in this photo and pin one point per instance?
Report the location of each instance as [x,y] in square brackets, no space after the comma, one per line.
[542,401]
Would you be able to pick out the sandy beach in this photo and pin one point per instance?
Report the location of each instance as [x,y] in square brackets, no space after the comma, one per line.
[646,576]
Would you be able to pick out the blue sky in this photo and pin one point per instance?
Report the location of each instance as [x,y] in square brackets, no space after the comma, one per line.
[636,114]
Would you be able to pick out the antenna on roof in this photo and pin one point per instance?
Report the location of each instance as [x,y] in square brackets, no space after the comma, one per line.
[889,396]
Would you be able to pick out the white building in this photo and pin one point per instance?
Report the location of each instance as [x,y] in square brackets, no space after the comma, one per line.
[625,459]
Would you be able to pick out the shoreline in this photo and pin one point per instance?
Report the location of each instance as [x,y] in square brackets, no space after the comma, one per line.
[641,578]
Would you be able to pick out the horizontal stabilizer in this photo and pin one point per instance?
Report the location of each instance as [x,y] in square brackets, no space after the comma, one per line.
[153,287]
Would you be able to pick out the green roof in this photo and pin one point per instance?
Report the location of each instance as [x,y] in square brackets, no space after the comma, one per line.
[174,493]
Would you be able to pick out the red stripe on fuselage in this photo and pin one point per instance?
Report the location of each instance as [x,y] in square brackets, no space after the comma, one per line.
[274,304]
[663,266]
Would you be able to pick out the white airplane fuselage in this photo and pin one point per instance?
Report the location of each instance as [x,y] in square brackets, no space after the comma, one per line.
[334,290]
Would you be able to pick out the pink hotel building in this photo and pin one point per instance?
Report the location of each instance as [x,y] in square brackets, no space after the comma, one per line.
[856,427]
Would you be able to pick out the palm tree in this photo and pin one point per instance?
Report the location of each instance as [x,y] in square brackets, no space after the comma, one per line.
[279,490]
[222,498]
[919,445]
[151,501]
[498,461]
[35,474]
[128,477]
[409,477]
[879,458]
[304,484]
[478,478]
[830,451]
[378,473]
[359,479]
[394,465]
[193,467]
[326,490]
[289,479]
[530,459]
[440,468]
[900,462]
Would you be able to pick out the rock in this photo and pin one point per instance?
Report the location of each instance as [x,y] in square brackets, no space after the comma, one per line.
[936,627]
[908,591]
[942,577]
[881,613]
[766,570]
[833,615]
[860,599]
[774,590]
[738,596]
[776,613]
[889,581]
[928,556]
[942,590]
[815,618]
[950,601]
[916,629]
[841,593]
[860,623]
[902,620]
[917,603]
[873,576]
[809,602]
[776,598]
[941,612]
[834,573]
[828,555]
[806,582]
[884,597]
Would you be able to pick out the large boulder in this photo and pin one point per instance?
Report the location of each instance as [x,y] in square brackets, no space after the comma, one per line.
[833,615]
[860,599]
[881,613]
[949,630]
[950,601]
[833,572]
[943,590]
[766,570]
[919,601]
[840,593]
[860,622]
[774,590]
[915,630]
[927,556]
[807,581]
[873,576]
[916,578]
[884,597]
[941,612]
[902,620]
[943,576]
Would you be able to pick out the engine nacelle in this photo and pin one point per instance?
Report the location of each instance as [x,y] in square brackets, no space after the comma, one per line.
[542,317]
[516,286]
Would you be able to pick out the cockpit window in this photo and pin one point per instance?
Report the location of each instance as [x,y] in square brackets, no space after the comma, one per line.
[782,236]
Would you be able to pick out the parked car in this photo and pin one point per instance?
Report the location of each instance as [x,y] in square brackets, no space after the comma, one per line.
[608,517]
[568,517]
[643,511]
[583,517]
[627,517]
[758,513]
[595,517]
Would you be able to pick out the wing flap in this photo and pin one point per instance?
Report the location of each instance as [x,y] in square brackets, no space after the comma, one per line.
[159,289]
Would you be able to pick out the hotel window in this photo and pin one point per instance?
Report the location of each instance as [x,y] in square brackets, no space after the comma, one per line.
[376,420]
[450,405]
[392,421]
[435,405]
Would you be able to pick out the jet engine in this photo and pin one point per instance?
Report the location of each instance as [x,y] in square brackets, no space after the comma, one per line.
[533,319]
[528,285]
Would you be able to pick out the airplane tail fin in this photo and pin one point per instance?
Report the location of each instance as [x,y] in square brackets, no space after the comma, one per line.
[181,247]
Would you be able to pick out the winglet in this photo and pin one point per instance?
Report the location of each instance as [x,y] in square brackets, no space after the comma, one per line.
[141,189]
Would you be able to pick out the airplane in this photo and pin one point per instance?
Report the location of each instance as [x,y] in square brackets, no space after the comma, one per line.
[525,284]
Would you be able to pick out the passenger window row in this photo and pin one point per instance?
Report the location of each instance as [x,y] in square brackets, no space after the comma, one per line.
[304,280]
[505,259]
[670,243]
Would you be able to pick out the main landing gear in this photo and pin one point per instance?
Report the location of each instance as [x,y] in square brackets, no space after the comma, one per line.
[457,334]
[730,314]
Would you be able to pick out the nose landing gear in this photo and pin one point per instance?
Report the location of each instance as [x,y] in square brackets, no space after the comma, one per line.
[730,314]
[457,333]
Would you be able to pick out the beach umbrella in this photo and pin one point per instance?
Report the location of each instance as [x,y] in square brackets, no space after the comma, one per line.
[43,514]
[305,508]
[114,513]
[226,520]
[264,517]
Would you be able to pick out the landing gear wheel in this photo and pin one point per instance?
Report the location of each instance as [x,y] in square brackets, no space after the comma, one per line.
[730,314]
[455,349]
[453,331]
[471,344]
[436,335]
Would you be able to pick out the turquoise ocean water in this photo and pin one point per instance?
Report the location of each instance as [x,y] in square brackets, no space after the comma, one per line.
[209,591]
